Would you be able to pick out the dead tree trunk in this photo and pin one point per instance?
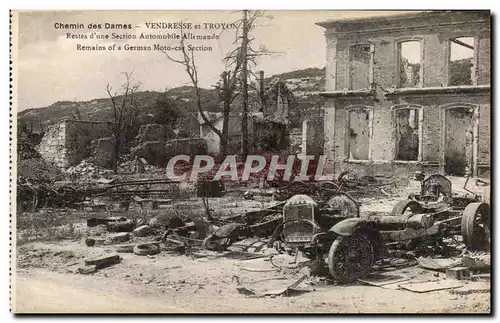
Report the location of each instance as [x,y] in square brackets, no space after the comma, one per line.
[244,85]
[116,155]
[224,140]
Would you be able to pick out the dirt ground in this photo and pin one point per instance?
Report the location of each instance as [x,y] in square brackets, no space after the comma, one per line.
[47,281]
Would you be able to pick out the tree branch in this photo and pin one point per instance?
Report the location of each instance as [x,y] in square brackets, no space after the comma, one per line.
[191,69]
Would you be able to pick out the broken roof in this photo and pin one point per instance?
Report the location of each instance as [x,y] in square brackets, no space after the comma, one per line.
[414,15]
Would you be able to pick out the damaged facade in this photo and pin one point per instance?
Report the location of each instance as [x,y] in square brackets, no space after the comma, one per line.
[409,92]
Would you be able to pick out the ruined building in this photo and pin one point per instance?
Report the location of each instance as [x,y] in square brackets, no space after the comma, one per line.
[67,143]
[267,120]
[409,92]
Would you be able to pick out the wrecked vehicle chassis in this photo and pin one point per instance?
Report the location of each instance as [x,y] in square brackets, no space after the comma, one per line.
[32,197]
[437,199]
[360,242]
[351,246]
[307,227]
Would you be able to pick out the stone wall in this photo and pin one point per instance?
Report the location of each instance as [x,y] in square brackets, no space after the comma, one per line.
[432,100]
[68,143]
[382,144]
[53,145]
[435,41]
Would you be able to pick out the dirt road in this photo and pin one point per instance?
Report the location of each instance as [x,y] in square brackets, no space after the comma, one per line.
[40,291]
[55,293]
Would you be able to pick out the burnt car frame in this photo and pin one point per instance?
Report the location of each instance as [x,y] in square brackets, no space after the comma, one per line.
[307,227]
[437,198]
[351,245]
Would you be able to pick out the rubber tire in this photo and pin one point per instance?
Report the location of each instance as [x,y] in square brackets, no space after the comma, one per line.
[332,256]
[401,206]
[146,249]
[467,226]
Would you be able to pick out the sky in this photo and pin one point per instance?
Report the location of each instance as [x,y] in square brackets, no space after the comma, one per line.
[50,68]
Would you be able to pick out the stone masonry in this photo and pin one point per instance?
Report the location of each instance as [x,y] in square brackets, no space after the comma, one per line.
[364,91]
[68,143]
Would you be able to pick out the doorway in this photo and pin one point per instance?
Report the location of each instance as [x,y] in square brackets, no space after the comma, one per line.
[459,141]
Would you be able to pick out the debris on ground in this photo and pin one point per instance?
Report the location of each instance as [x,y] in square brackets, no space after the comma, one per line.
[94,241]
[85,270]
[103,261]
[301,235]
[118,238]
[143,231]
[121,226]
[125,248]
[477,260]
[273,290]
[146,249]
[430,286]
[438,263]
[458,273]
[380,280]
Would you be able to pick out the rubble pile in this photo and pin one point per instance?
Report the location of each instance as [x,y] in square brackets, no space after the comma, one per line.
[32,167]
[27,151]
[87,169]
[133,166]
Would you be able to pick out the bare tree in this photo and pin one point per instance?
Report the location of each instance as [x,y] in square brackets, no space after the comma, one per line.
[232,79]
[242,57]
[124,107]
[188,61]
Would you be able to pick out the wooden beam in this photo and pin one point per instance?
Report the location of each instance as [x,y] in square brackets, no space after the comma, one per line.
[458,42]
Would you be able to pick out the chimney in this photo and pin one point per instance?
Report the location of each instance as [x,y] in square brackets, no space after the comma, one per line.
[262,99]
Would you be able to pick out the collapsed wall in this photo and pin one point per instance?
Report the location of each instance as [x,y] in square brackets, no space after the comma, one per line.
[68,143]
